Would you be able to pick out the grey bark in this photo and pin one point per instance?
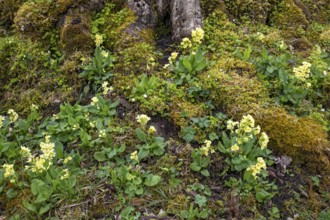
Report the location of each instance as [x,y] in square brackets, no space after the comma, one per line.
[185,15]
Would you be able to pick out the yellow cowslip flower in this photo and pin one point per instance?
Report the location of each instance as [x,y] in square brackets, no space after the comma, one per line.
[197,35]
[66,174]
[261,162]
[9,170]
[263,140]
[26,152]
[234,148]
[1,120]
[206,148]
[102,134]
[142,120]
[256,130]
[186,43]
[173,57]
[34,107]
[47,149]
[166,66]
[95,100]
[302,72]
[247,121]
[231,124]
[308,84]
[104,53]
[152,130]
[38,165]
[98,40]
[67,159]
[13,116]
[134,156]
[260,36]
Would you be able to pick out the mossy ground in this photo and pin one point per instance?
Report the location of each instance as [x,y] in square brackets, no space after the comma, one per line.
[41,57]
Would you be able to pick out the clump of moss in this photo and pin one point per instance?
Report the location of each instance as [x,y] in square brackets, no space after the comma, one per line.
[304,139]
[289,17]
[233,92]
[256,11]
[8,8]
[35,18]
[30,74]
[76,36]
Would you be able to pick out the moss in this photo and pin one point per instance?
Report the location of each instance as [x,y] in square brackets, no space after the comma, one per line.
[29,74]
[182,111]
[34,19]
[232,93]
[290,17]
[304,139]
[76,36]
[8,8]
[301,138]
[256,11]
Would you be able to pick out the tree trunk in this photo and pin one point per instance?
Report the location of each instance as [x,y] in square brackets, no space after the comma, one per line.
[185,15]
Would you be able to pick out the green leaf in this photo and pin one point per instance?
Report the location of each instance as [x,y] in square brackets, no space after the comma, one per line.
[195,166]
[30,206]
[200,200]
[152,180]
[44,209]
[187,64]
[188,134]
[141,135]
[100,156]
[205,173]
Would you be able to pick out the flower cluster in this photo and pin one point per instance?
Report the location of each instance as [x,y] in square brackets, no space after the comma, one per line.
[256,168]
[302,72]
[263,140]
[186,43]
[245,129]
[13,116]
[134,156]
[152,130]
[206,148]
[197,35]
[67,159]
[1,120]
[234,148]
[34,107]
[95,100]
[66,174]
[98,40]
[9,172]
[44,161]
[173,57]
[104,53]
[26,152]
[142,120]
[106,89]
[102,134]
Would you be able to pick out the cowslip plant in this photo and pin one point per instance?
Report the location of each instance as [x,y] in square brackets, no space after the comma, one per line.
[246,154]
[186,67]
[132,180]
[201,158]
[151,145]
[99,70]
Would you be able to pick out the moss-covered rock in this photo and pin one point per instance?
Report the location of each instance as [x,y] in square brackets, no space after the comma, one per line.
[304,139]
[76,35]
[232,89]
